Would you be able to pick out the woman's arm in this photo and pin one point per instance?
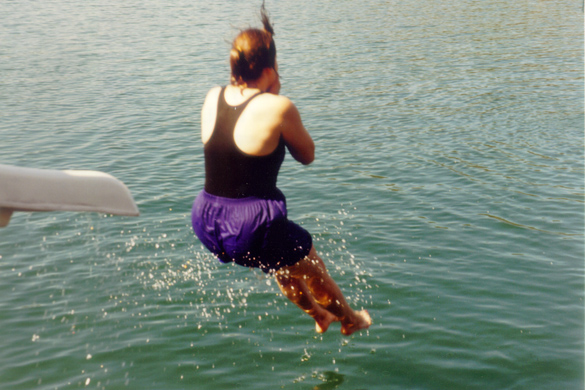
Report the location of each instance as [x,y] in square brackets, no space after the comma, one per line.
[297,138]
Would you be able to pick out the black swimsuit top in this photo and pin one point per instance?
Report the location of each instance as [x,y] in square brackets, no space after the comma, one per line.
[232,173]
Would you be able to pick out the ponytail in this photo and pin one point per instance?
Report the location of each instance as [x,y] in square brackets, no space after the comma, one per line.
[265,21]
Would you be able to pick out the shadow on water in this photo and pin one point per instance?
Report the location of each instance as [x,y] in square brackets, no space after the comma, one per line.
[331,380]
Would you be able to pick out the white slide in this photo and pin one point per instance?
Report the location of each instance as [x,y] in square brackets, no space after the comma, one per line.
[31,189]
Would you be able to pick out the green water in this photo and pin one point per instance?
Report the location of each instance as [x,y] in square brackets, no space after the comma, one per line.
[447,196]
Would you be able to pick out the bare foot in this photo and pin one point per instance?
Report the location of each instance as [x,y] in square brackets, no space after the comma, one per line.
[362,320]
[323,321]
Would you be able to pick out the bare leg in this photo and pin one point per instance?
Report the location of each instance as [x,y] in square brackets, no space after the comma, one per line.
[312,272]
[297,292]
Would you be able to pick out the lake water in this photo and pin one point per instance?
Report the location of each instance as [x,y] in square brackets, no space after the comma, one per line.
[447,196]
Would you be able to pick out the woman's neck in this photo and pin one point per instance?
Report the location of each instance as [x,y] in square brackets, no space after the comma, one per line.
[263,83]
[246,90]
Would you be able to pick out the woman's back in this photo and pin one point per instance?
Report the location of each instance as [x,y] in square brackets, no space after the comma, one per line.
[266,120]
[232,172]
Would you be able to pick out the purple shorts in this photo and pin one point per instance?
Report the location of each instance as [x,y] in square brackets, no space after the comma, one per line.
[251,232]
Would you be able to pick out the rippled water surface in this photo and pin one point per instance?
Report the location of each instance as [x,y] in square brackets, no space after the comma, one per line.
[446,198]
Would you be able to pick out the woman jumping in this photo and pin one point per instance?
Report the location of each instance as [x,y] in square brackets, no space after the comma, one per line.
[241,215]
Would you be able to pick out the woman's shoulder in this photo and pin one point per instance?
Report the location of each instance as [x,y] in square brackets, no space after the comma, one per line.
[275,103]
[211,98]
[213,93]
[209,113]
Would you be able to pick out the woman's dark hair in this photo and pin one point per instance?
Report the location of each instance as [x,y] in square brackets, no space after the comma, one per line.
[253,50]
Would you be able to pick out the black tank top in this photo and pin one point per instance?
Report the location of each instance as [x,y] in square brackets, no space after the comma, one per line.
[231,173]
